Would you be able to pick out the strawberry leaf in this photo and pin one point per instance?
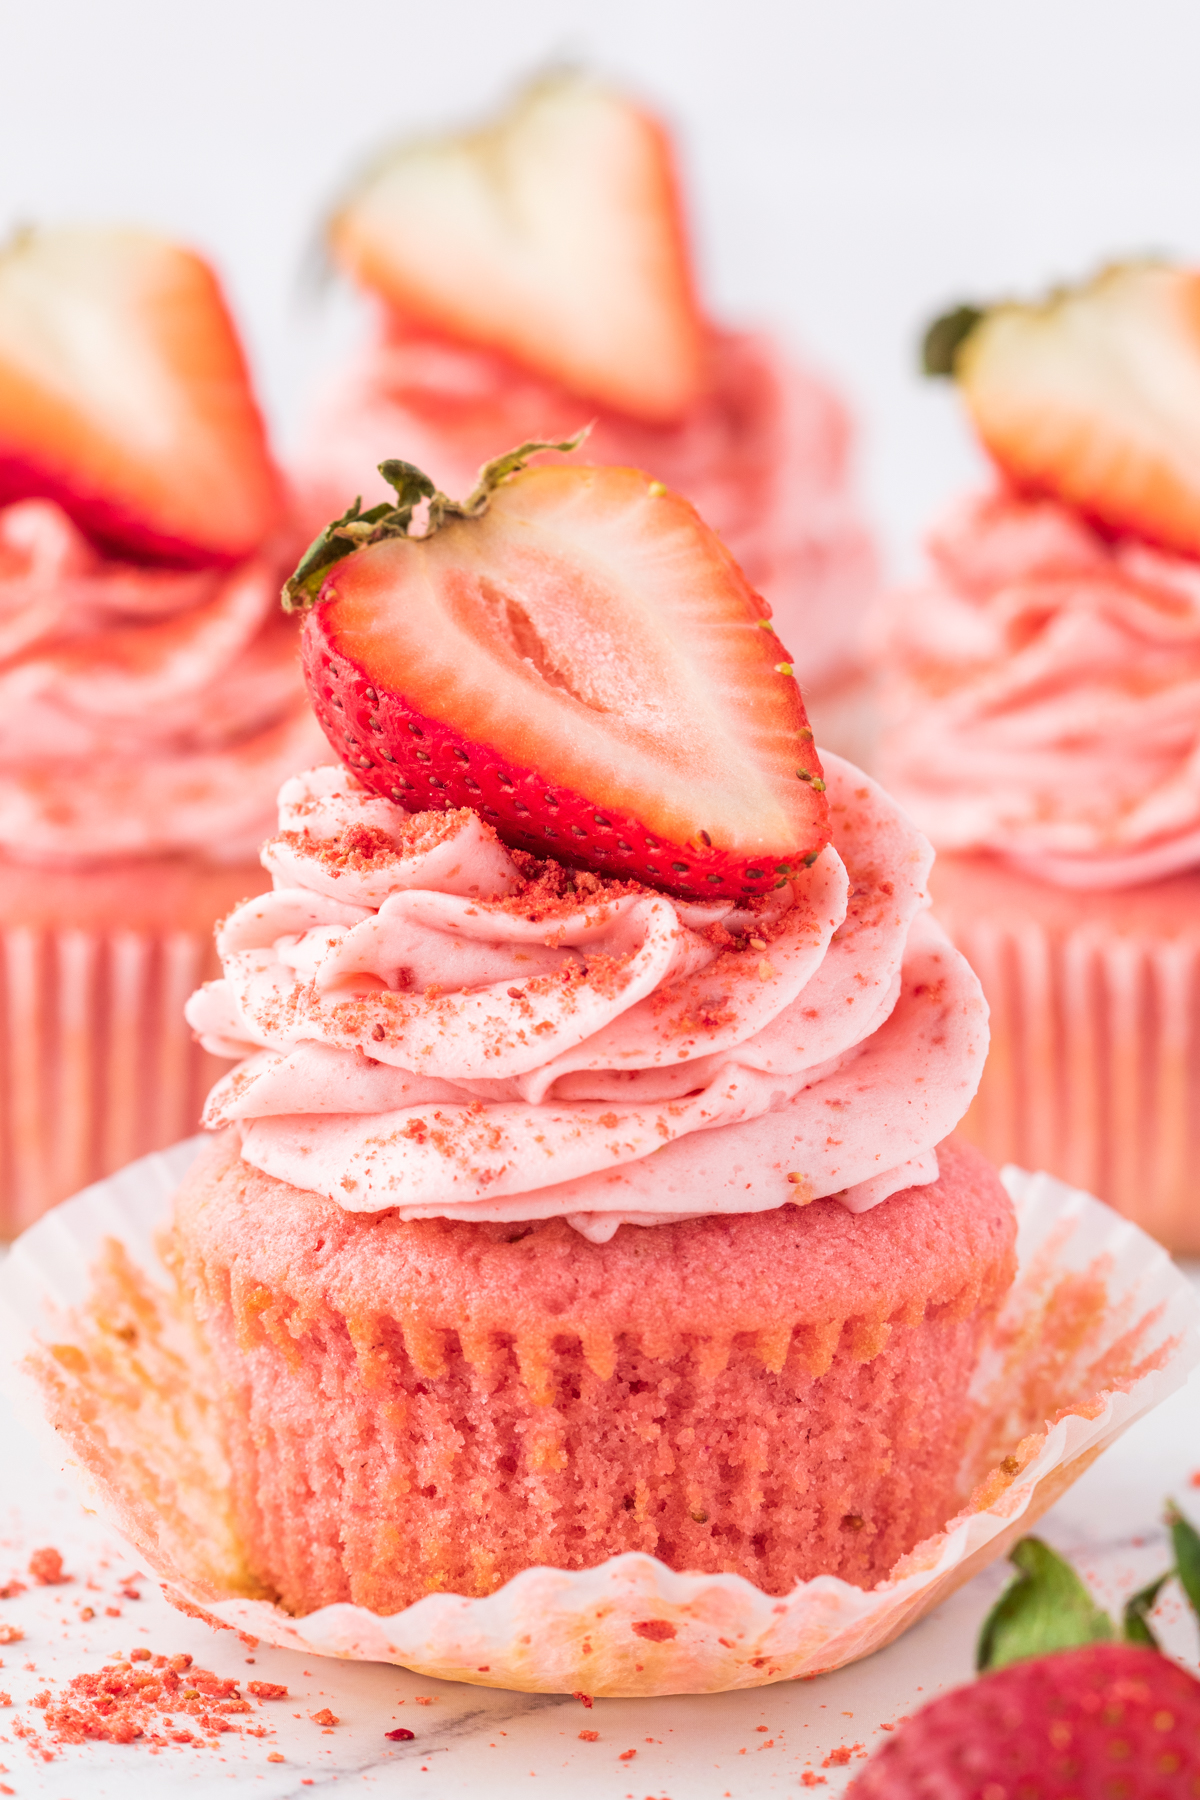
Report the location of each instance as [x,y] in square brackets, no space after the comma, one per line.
[944,338]
[490,477]
[338,539]
[356,529]
[1135,1620]
[1186,1545]
[1046,1608]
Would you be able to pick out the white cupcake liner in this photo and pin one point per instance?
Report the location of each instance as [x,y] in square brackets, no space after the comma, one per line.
[1099,1327]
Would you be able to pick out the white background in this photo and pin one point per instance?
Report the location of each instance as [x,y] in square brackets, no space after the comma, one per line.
[853,165]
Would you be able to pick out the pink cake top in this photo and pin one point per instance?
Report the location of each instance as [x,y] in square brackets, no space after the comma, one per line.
[763,455]
[434,1023]
[1045,697]
[142,710]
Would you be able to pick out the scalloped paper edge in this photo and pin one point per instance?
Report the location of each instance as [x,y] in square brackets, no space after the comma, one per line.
[631,1625]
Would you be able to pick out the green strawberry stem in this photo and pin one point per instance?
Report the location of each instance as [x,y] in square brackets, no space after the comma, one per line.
[1046,1608]
[945,337]
[1049,1608]
[1135,1620]
[355,529]
[1186,1545]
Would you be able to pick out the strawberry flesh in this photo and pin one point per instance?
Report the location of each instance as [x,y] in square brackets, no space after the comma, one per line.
[1108,1719]
[125,397]
[1094,398]
[586,666]
[555,235]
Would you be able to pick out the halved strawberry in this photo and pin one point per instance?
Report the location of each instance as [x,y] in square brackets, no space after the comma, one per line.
[1093,396]
[124,395]
[555,235]
[573,653]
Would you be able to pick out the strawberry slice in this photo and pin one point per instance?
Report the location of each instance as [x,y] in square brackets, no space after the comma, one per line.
[555,235]
[124,395]
[574,654]
[1092,396]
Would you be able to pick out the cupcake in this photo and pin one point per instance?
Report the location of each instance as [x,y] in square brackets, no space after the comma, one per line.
[584,1181]
[1043,697]
[150,695]
[534,274]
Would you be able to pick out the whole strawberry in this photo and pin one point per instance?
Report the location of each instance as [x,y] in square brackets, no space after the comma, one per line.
[1108,1721]
[1096,1719]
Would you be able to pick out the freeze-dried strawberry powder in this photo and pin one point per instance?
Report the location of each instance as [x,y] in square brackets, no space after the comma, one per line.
[163,1700]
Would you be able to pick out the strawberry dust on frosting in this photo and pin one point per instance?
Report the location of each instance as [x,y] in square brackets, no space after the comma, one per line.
[1044,695]
[428,1022]
[143,710]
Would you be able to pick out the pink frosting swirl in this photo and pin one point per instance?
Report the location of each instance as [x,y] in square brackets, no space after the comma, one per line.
[1043,693]
[432,1023]
[142,710]
[763,456]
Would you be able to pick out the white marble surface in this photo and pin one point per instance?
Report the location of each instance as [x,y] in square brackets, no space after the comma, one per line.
[478,1741]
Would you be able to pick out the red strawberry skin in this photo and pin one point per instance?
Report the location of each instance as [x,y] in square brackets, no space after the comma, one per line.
[125,397]
[1109,1721]
[447,672]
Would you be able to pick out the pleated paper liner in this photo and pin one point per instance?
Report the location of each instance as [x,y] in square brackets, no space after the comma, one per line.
[1094,1067]
[97,1063]
[1099,1327]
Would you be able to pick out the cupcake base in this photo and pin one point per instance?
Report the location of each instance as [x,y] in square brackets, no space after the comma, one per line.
[415,1407]
[1098,1327]
[1094,1067]
[97,1064]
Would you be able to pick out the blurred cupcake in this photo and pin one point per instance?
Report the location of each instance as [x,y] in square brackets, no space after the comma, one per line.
[1043,697]
[533,275]
[150,694]
[583,1183]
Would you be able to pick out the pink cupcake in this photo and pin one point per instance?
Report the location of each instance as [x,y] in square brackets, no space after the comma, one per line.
[1043,690]
[583,1184]
[150,696]
[533,276]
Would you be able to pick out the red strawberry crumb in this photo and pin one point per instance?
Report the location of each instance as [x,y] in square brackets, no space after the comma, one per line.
[808,1779]
[837,1759]
[583,1699]
[267,1690]
[122,1702]
[401,1735]
[626,1755]
[424,1699]
[11,1589]
[46,1567]
[275,1757]
[324,1717]
[11,1634]
[590,1737]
